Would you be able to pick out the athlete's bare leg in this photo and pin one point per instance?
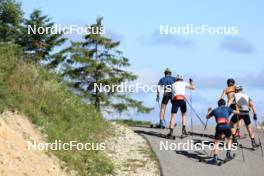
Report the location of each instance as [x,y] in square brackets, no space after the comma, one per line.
[162,111]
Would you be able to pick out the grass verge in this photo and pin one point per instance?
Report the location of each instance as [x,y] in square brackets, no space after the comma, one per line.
[48,103]
[133,123]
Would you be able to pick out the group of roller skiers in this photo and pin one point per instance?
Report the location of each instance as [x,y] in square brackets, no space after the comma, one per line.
[238,105]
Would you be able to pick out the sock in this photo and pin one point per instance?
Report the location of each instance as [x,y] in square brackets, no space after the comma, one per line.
[252,139]
[215,157]
[171,130]
[161,122]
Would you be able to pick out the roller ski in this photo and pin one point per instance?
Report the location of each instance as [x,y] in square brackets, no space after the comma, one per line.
[218,162]
[228,158]
[213,161]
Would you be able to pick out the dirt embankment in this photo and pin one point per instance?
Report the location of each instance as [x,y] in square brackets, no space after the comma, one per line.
[129,152]
[15,157]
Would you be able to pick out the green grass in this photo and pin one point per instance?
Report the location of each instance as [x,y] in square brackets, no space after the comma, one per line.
[130,122]
[48,103]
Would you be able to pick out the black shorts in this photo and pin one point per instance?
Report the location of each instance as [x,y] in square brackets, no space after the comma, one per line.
[166,98]
[222,129]
[176,104]
[244,116]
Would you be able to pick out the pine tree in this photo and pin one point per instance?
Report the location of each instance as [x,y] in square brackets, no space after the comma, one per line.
[98,61]
[10,20]
[39,45]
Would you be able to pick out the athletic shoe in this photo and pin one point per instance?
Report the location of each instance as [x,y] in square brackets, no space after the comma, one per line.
[229,156]
[254,144]
[184,132]
[213,161]
[235,141]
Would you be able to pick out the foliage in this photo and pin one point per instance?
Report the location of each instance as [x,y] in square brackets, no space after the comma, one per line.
[39,45]
[134,123]
[10,19]
[40,95]
[98,62]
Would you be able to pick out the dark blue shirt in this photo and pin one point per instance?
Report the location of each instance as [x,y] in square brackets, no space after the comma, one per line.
[221,112]
[167,81]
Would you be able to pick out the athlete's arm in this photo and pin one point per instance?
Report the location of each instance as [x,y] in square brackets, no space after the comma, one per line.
[236,111]
[223,94]
[209,113]
[191,85]
[252,106]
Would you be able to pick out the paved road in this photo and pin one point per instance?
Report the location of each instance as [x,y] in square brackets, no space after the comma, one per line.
[180,162]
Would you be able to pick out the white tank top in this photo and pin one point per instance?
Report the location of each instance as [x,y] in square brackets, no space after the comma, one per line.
[178,88]
[242,100]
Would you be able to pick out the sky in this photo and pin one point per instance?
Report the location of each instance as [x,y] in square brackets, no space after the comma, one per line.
[208,59]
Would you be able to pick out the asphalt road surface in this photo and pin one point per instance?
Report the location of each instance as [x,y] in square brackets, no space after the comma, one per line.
[182,162]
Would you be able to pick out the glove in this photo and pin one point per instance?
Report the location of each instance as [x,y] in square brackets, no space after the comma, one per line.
[255,117]
[190,80]
[157,98]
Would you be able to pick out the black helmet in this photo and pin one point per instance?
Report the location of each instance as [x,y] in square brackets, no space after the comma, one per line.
[167,71]
[221,102]
[230,82]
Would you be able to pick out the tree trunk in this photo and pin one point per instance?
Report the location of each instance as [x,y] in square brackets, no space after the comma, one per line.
[97,98]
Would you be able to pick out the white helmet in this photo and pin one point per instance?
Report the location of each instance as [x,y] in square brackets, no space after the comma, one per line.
[179,77]
[238,88]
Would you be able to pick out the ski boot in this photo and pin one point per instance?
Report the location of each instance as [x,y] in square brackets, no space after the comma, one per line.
[253,143]
[170,134]
[229,156]
[235,140]
[184,132]
[213,161]
[161,125]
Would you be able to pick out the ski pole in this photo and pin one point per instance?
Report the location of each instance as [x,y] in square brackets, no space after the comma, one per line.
[205,127]
[195,113]
[159,111]
[242,150]
[191,111]
[256,126]
[163,117]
